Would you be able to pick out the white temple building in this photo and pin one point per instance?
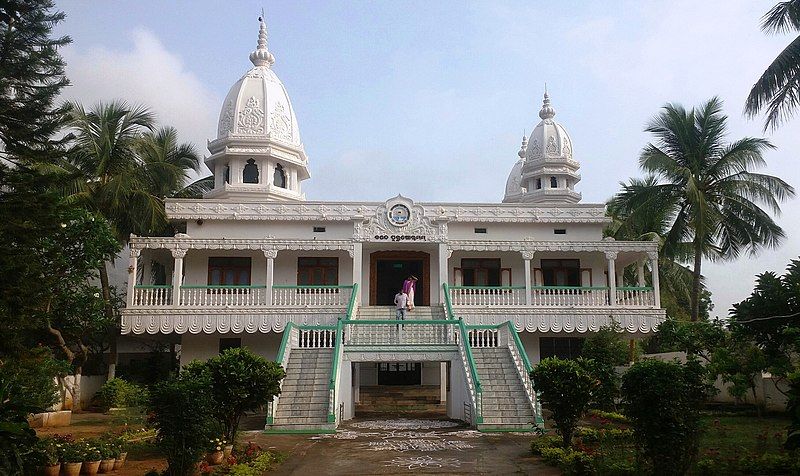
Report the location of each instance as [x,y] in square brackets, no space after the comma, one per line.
[311,284]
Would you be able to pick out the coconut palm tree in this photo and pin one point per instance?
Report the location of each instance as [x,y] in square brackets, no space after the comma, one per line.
[778,89]
[710,200]
[119,167]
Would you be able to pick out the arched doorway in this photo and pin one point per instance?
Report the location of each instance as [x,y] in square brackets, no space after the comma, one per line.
[388,270]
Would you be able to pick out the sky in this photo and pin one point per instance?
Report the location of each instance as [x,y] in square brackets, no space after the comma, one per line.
[431,99]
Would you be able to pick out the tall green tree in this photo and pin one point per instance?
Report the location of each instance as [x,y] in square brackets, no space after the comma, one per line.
[777,91]
[31,78]
[710,197]
[122,168]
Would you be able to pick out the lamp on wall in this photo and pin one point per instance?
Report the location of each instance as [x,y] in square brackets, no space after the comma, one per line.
[199,222]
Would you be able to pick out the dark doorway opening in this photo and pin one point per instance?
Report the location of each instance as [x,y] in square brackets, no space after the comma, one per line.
[388,270]
[400,373]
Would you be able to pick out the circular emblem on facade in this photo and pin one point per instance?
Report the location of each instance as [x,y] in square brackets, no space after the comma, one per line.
[399,215]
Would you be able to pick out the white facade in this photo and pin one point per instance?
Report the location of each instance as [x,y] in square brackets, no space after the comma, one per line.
[257,256]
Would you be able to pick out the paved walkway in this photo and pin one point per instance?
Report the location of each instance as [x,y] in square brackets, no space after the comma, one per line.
[405,446]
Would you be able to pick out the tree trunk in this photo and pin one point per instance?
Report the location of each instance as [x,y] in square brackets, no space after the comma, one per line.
[696,276]
[109,310]
[76,389]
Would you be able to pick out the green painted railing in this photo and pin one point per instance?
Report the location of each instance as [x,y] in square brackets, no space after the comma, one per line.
[569,288]
[223,286]
[473,370]
[153,286]
[635,288]
[488,288]
[337,351]
[291,286]
[527,382]
[352,304]
[520,347]
[287,332]
[448,304]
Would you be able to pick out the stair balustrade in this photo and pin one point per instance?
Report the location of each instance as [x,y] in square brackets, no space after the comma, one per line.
[483,336]
[395,332]
[523,367]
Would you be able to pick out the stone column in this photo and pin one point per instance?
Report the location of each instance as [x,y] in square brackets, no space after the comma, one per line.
[527,256]
[611,256]
[653,257]
[270,281]
[177,275]
[132,273]
[357,382]
[640,274]
[444,255]
[357,254]
[442,382]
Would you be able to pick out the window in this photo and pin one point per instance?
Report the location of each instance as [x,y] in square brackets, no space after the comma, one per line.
[279,177]
[480,271]
[560,231]
[561,347]
[561,272]
[553,182]
[226,343]
[229,271]
[480,230]
[250,172]
[158,273]
[319,229]
[538,184]
[317,271]
[226,174]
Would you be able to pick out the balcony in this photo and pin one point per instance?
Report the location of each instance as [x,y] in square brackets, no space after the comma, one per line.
[551,296]
[251,296]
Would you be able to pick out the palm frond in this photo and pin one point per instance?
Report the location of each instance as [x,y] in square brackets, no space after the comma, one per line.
[778,88]
[782,18]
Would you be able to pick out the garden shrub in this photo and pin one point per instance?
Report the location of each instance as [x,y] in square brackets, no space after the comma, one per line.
[602,352]
[118,393]
[240,381]
[549,441]
[569,461]
[662,401]
[566,390]
[793,409]
[182,414]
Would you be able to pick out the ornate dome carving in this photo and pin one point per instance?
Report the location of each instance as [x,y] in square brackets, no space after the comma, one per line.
[258,106]
[549,139]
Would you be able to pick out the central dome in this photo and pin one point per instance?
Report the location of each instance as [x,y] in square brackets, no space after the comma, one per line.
[258,106]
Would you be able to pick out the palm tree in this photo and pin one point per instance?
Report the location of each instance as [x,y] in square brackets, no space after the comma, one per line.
[121,169]
[703,190]
[778,89]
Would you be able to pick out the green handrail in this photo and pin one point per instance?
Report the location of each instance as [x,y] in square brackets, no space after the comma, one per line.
[304,286]
[351,305]
[490,288]
[571,288]
[448,304]
[634,288]
[287,332]
[473,370]
[394,322]
[153,286]
[334,370]
[223,286]
[520,347]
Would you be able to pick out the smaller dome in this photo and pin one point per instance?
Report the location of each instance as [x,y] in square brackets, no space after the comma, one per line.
[549,139]
[514,188]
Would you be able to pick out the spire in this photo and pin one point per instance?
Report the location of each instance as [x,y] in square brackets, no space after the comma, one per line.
[261,56]
[524,147]
[547,111]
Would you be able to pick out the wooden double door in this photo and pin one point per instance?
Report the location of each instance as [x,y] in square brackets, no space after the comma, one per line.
[388,270]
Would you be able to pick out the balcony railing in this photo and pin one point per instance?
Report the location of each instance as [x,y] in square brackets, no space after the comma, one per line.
[636,297]
[487,295]
[311,296]
[200,296]
[577,296]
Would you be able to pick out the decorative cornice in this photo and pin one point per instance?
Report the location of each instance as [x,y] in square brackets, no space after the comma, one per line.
[196,321]
[531,245]
[407,354]
[211,209]
[266,245]
[633,321]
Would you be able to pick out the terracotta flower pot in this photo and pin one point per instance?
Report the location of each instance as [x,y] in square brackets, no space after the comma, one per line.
[227,450]
[107,465]
[90,467]
[71,469]
[216,457]
[120,461]
[50,470]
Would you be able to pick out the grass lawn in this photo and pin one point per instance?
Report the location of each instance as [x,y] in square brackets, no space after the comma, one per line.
[729,434]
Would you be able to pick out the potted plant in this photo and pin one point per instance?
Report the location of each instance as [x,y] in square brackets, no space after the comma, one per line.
[91,457]
[227,450]
[216,453]
[117,445]
[72,454]
[44,456]
[107,454]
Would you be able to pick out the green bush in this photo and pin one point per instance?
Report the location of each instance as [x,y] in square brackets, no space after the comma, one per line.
[257,466]
[182,414]
[603,351]
[569,461]
[566,389]
[662,402]
[240,381]
[542,442]
[117,393]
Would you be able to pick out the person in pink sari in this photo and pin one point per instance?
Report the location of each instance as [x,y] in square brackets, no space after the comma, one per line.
[409,286]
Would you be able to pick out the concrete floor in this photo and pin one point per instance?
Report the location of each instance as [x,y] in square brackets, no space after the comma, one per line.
[402,444]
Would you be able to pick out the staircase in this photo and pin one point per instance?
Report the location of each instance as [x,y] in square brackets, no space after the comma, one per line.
[303,402]
[405,399]
[388,312]
[505,403]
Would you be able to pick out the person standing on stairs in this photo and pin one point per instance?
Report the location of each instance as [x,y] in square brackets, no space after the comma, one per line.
[400,303]
[409,286]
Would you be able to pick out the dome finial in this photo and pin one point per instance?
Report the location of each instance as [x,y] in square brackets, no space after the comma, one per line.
[524,147]
[547,111]
[261,56]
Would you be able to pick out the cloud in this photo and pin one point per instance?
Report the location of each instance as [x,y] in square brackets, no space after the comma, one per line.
[145,74]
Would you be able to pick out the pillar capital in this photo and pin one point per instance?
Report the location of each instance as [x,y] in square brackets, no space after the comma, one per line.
[611,255]
[527,254]
[270,253]
[178,253]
